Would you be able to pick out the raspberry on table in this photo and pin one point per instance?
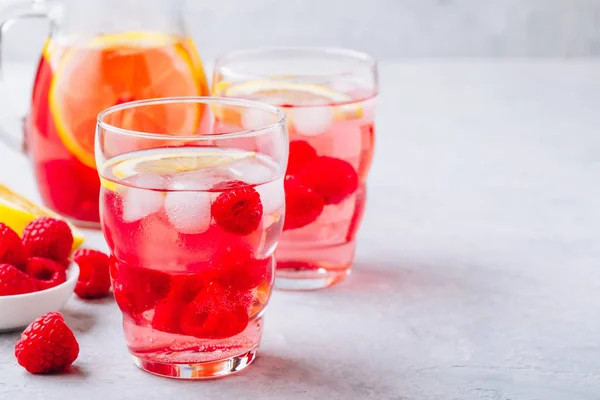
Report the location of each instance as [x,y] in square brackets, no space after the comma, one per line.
[11,248]
[48,273]
[94,276]
[47,345]
[301,154]
[238,211]
[48,237]
[302,205]
[333,178]
[14,281]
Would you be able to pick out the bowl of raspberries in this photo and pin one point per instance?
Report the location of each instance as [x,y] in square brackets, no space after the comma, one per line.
[37,274]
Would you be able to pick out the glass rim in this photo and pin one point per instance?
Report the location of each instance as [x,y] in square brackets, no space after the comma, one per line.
[250,104]
[366,60]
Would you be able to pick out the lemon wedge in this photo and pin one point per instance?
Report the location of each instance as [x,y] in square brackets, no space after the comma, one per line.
[17,211]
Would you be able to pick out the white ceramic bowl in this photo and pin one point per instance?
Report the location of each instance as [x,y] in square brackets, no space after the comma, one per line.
[20,310]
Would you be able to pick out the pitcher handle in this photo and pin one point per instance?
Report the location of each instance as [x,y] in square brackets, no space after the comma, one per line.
[10,12]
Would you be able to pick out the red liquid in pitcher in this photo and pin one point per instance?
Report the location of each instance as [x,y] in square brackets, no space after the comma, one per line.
[76,81]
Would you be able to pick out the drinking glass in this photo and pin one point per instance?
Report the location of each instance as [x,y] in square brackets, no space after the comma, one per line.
[329,97]
[192,212]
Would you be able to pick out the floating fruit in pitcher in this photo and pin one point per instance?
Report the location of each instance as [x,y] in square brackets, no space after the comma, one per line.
[116,69]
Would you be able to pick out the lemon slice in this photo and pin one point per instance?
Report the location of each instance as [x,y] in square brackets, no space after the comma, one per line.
[165,164]
[137,39]
[105,71]
[17,211]
[298,94]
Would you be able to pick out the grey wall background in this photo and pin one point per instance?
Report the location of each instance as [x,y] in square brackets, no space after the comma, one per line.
[390,29]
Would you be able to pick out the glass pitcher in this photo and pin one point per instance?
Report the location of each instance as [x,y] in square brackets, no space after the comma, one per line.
[98,54]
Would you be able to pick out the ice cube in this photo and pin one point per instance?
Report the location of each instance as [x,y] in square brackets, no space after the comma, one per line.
[253,118]
[180,183]
[140,201]
[189,212]
[249,171]
[201,179]
[311,121]
[187,184]
[148,181]
[272,196]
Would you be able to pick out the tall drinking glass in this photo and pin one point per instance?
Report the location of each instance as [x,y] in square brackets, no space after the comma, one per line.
[191,205]
[329,98]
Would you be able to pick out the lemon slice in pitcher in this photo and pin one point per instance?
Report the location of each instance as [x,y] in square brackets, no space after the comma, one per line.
[115,69]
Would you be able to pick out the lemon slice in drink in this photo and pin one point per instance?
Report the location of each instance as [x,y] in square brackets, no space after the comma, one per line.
[17,211]
[297,94]
[313,108]
[162,163]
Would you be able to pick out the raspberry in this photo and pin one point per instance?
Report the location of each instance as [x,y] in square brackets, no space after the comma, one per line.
[47,345]
[94,278]
[48,237]
[14,281]
[186,287]
[137,289]
[332,178]
[238,270]
[11,248]
[302,205]
[64,263]
[238,211]
[48,273]
[214,314]
[167,315]
[301,154]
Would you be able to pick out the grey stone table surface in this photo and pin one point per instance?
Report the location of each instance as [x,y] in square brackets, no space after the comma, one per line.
[477,274]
